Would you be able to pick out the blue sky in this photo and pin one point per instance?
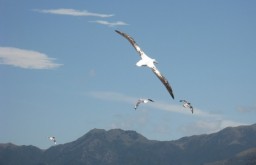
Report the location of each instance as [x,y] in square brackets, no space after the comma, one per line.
[64,70]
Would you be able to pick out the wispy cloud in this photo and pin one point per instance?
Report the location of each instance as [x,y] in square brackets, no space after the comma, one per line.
[205,122]
[27,59]
[115,96]
[110,24]
[247,109]
[73,12]
[84,13]
[207,126]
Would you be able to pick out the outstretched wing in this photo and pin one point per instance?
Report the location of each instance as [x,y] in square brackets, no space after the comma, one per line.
[164,81]
[191,108]
[131,40]
[137,104]
[151,100]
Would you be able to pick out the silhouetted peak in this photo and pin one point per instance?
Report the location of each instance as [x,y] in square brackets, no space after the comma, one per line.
[128,135]
[112,135]
[7,145]
[96,131]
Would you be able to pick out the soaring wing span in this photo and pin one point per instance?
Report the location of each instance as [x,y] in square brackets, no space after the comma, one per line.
[147,61]
[187,104]
[142,101]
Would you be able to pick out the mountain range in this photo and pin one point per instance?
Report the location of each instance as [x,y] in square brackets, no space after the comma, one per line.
[230,146]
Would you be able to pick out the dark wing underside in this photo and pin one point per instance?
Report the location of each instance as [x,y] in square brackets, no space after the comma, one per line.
[164,81]
[137,104]
[131,40]
[157,73]
[151,100]
[191,108]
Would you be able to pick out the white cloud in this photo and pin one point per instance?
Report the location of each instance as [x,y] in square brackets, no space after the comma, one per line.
[115,96]
[207,126]
[27,59]
[111,24]
[73,12]
[247,109]
[203,122]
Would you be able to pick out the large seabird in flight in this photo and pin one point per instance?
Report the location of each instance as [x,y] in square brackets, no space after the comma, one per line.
[147,61]
[187,104]
[142,101]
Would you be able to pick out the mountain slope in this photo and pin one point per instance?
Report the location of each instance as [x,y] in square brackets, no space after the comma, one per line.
[95,147]
[11,154]
[218,146]
[247,157]
[235,145]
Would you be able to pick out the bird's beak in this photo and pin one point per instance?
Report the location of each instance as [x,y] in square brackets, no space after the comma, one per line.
[155,62]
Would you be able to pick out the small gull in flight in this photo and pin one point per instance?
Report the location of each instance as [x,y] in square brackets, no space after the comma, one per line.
[52,138]
[142,101]
[147,61]
[187,104]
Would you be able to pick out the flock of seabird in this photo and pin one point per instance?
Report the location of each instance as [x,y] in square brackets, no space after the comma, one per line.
[150,63]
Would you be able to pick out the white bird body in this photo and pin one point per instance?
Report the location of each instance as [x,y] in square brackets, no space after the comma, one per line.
[187,104]
[146,61]
[142,101]
[149,62]
[52,138]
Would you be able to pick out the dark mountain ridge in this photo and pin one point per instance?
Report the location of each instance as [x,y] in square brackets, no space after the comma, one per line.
[228,146]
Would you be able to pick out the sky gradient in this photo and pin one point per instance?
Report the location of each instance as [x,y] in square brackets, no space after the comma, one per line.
[64,70]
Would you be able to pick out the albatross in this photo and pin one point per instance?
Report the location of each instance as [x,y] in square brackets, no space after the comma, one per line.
[147,61]
[52,138]
[142,101]
[187,104]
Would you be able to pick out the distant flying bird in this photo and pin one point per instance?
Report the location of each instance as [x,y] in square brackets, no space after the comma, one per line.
[52,138]
[142,101]
[147,61]
[187,104]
